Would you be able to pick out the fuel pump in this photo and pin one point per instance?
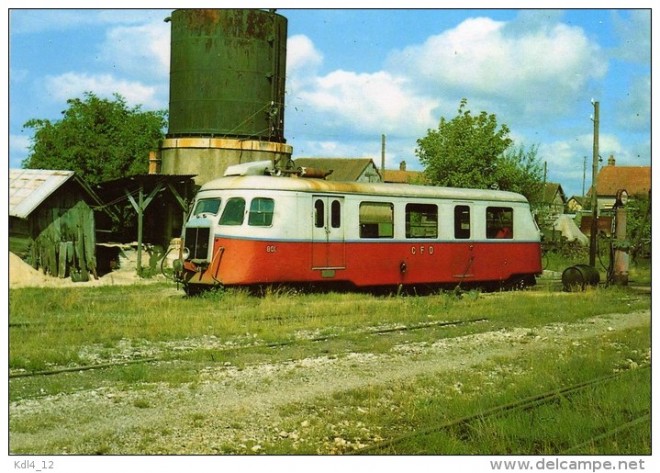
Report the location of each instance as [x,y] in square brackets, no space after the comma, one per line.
[620,243]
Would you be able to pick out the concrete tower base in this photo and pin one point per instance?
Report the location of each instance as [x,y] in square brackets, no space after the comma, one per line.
[208,158]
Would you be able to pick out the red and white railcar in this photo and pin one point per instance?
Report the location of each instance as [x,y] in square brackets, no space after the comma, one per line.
[254,230]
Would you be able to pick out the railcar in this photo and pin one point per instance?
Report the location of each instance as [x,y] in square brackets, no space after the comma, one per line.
[262,230]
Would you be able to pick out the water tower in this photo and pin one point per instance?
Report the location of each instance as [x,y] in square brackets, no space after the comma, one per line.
[227,75]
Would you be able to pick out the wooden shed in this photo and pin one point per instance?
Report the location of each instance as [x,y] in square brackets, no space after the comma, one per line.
[51,222]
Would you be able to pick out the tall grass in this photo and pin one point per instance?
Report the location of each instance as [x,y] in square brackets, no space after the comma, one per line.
[55,327]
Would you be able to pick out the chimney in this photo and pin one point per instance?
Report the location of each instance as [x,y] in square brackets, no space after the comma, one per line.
[611,161]
[402,166]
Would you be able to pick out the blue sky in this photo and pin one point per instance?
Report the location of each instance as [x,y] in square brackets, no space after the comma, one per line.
[355,74]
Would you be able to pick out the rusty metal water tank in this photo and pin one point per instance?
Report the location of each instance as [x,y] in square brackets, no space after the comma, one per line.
[227,74]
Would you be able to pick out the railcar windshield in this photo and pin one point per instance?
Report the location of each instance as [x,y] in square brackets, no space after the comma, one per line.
[261,212]
[234,212]
[207,206]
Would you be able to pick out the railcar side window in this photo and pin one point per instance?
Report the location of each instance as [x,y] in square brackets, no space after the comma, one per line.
[421,221]
[234,212]
[499,222]
[462,222]
[261,212]
[319,214]
[207,206]
[335,214]
[376,220]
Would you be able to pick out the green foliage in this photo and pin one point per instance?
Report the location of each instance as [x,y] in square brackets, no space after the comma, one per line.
[638,226]
[474,151]
[520,171]
[99,139]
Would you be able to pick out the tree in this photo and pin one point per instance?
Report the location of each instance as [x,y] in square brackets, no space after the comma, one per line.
[638,226]
[99,139]
[519,171]
[474,151]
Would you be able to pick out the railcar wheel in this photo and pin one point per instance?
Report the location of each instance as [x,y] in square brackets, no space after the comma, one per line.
[193,289]
[520,283]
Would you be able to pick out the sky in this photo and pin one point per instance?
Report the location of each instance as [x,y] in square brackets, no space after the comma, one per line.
[354,75]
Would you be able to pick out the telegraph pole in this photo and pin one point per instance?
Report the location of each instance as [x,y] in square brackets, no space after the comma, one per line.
[382,155]
[584,177]
[594,197]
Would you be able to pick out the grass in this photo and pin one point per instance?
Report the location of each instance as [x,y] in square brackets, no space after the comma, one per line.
[411,407]
[64,328]
[639,272]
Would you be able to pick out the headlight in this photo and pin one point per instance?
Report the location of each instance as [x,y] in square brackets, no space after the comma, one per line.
[185,253]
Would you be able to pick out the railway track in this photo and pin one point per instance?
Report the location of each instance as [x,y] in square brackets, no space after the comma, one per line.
[249,390]
[283,343]
[389,446]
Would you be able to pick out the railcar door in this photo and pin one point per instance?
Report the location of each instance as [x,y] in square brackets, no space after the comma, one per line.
[328,232]
[462,259]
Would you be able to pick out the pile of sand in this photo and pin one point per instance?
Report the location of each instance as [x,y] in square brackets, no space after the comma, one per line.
[21,274]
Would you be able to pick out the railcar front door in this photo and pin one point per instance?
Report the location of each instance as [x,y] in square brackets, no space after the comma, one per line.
[328,250]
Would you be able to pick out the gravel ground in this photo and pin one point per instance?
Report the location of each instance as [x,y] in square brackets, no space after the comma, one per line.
[242,407]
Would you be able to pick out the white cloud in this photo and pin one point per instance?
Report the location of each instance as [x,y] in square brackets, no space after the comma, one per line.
[301,54]
[368,103]
[302,63]
[525,71]
[537,70]
[26,21]
[142,51]
[18,149]
[71,84]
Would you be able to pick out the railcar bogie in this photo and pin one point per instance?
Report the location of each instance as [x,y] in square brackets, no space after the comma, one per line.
[259,230]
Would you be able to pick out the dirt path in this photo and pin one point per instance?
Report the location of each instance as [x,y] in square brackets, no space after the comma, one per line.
[232,405]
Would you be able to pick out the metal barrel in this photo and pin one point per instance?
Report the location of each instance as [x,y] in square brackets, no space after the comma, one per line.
[578,277]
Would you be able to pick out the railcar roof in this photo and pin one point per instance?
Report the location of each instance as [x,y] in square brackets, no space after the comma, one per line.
[357,188]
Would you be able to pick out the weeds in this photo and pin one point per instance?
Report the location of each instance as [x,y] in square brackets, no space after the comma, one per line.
[232,329]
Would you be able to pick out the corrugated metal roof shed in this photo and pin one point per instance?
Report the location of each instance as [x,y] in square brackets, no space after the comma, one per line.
[28,188]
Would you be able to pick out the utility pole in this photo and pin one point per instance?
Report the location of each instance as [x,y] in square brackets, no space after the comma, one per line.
[382,155]
[594,197]
[584,176]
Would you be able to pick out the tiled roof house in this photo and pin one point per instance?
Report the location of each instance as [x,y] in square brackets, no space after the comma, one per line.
[403,176]
[636,180]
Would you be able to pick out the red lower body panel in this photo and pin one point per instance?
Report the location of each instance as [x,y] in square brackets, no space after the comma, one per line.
[249,262]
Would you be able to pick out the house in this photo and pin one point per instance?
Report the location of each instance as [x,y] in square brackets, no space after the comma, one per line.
[575,203]
[403,176]
[51,221]
[548,202]
[636,180]
[344,169]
